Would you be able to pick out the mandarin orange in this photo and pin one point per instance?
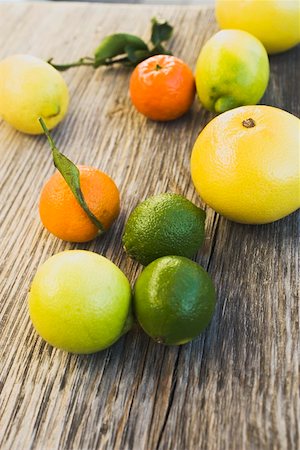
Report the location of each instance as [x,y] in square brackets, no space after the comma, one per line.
[162,87]
[62,215]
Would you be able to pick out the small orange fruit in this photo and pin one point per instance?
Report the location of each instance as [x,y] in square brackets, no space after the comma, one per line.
[62,215]
[162,87]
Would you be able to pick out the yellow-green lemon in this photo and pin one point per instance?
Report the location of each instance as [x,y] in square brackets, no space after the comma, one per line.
[80,301]
[232,70]
[31,88]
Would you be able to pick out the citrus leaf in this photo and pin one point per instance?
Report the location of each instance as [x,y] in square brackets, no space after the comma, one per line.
[114,45]
[161,32]
[135,56]
[160,50]
[71,174]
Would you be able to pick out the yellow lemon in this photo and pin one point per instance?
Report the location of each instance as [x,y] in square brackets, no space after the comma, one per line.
[276,23]
[232,70]
[80,301]
[245,164]
[31,88]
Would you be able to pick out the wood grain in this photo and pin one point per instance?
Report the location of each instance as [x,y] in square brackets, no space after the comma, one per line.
[237,386]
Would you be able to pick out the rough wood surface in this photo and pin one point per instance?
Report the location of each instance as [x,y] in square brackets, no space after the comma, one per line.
[234,388]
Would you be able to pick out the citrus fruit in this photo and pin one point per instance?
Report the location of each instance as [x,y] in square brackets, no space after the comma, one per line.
[165,224]
[245,164]
[174,300]
[62,215]
[232,70]
[162,87]
[274,22]
[31,88]
[80,301]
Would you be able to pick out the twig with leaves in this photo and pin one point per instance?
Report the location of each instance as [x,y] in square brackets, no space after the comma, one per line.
[125,49]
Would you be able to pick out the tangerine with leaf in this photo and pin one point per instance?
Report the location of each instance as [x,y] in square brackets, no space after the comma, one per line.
[77,204]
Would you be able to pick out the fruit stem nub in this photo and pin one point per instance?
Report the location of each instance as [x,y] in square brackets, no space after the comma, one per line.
[249,123]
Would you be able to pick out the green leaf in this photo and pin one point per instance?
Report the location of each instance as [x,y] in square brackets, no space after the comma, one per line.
[161,32]
[114,45]
[136,56]
[160,50]
[71,175]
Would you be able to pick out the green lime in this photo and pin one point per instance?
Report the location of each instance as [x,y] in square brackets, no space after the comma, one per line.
[80,301]
[232,70]
[174,300]
[166,224]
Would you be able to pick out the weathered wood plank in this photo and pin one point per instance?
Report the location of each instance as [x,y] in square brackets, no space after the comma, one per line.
[237,386]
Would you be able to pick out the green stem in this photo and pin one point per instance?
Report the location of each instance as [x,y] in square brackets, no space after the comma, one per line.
[48,135]
[86,61]
[115,61]
[71,175]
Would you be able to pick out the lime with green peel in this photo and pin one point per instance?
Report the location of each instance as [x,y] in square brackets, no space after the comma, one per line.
[80,302]
[165,224]
[232,70]
[174,300]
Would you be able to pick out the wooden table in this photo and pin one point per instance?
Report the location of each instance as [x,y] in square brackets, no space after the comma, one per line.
[236,386]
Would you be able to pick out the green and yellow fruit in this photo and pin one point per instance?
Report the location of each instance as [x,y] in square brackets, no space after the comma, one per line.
[80,302]
[31,88]
[232,70]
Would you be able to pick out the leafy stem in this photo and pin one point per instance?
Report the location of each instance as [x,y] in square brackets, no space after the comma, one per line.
[71,174]
[123,48]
